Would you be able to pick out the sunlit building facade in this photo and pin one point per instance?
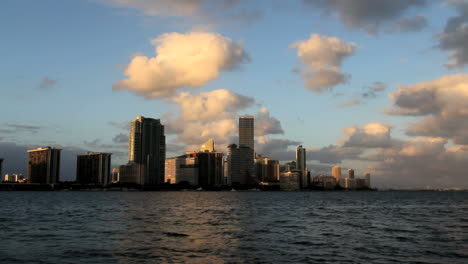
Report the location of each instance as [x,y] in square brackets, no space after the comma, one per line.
[208,146]
[182,169]
[147,147]
[336,172]
[44,165]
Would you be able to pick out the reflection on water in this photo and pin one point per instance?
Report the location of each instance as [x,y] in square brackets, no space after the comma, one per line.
[233,227]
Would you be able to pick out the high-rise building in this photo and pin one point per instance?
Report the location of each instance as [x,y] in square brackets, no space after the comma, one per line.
[44,165]
[351,173]
[132,172]
[367,178]
[147,147]
[93,168]
[301,158]
[240,167]
[246,132]
[210,169]
[266,170]
[336,172]
[115,176]
[182,169]
[208,146]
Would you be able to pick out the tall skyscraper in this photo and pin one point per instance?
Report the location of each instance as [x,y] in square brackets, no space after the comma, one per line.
[351,173]
[367,179]
[301,158]
[147,147]
[93,168]
[44,165]
[336,172]
[246,132]
[240,166]
[208,146]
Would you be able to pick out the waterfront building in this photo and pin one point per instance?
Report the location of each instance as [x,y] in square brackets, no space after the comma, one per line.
[350,183]
[336,172]
[246,133]
[13,178]
[147,147]
[210,165]
[44,165]
[115,176]
[325,182]
[351,173]
[301,158]
[208,146]
[93,168]
[360,183]
[240,167]
[182,169]
[294,180]
[367,177]
[132,172]
[266,169]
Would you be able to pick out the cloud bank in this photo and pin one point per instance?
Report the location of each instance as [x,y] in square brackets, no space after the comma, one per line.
[187,60]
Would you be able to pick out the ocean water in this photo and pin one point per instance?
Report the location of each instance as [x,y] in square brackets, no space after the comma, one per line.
[233,227]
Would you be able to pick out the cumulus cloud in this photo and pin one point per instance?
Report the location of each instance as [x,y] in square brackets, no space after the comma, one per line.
[443,103]
[279,149]
[265,124]
[455,36]
[349,103]
[410,24]
[120,138]
[372,135]
[47,82]
[368,15]
[321,58]
[333,154]
[204,11]
[187,60]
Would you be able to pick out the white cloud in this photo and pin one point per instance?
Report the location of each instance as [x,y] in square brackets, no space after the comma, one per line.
[442,102]
[321,58]
[372,135]
[187,60]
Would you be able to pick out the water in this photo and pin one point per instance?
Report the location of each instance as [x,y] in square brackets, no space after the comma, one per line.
[233,227]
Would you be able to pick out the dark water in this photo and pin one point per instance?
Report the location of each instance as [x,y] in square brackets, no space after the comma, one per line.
[233,227]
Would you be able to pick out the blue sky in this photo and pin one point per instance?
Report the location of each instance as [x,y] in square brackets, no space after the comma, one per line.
[83,47]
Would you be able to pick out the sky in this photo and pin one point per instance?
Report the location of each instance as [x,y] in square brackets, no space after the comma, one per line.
[380,86]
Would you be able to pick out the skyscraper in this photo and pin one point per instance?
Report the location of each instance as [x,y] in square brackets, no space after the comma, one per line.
[239,166]
[93,168]
[147,147]
[367,179]
[44,165]
[351,173]
[336,172]
[246,132]
[208,146]
[301,158]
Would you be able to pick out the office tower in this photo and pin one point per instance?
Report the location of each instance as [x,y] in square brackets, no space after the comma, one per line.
[291,180]
[182,169]
[351,173]
[301,158]
[210,165]
[367,178]
[44,165]
[246,132]
[132,173]
[147,147]
[93,168]
[336,172]
[208,146]
[1,163]
[240,167]
[266,170]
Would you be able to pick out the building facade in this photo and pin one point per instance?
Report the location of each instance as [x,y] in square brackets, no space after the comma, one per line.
[336,172]
[246,132]
[147,147]
[93,168]
[210,166]
[182,169]
[240,166]
[44,165]
[266,169]
[301,158]
[132,172]
[208,146]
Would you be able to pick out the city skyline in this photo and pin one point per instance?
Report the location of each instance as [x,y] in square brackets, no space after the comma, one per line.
[384,90]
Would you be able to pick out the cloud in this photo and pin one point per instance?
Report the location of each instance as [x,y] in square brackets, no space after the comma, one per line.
[410,24]
[47,83]
[349,103]
[371,135]
[120,138]
[187,60]
[18,128]
[120,125]
[321,58]
[333,154]
[368,15]
[455,36]
[266,124]
[443,103]
[202,11]
[275,148]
